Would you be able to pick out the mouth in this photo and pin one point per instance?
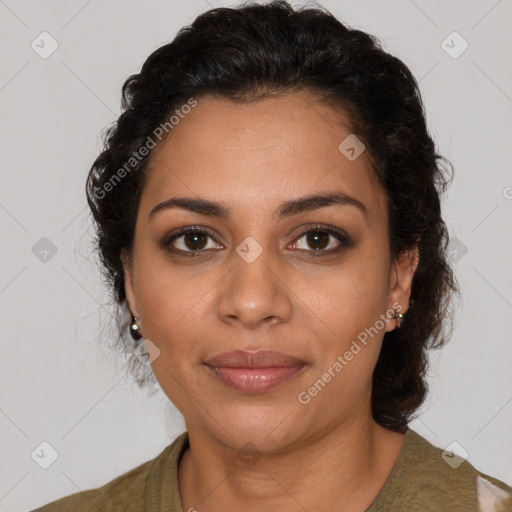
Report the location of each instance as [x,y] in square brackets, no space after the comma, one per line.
[254,372]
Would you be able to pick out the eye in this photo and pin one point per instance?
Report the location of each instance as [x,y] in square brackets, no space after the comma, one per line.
[194,239]
[323,240]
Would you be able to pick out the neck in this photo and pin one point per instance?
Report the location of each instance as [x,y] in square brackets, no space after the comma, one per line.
[342,469]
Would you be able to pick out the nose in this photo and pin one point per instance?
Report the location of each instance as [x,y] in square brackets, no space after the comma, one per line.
[254,294]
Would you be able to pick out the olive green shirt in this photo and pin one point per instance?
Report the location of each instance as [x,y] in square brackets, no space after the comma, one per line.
[421,481]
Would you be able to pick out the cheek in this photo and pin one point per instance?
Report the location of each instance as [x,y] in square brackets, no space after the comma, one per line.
[350,304]
[166,293]
[351,296]
[172,310]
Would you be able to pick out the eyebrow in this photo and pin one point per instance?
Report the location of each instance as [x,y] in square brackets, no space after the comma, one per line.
[287,209]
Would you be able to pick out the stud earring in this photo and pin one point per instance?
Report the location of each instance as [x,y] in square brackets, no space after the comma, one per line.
[400,317]
[135,329]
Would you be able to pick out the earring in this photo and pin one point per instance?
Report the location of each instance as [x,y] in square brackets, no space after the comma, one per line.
[400,317]
[135,329]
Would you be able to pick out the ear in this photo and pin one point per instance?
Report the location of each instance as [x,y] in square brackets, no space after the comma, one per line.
[128,283]
[401,275]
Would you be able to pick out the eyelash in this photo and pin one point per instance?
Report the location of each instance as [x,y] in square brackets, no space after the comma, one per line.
[343,238]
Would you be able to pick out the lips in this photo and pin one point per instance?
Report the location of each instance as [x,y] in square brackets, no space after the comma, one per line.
[254,372]
[260,359]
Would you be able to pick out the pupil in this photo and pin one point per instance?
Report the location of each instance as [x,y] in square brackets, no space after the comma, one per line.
[313,239]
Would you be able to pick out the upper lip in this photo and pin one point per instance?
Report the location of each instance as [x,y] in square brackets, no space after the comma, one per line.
[259,359]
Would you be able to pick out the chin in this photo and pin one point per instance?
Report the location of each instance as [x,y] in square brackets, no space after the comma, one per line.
[269,429]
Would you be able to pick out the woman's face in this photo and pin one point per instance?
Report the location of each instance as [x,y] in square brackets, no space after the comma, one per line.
[255,280]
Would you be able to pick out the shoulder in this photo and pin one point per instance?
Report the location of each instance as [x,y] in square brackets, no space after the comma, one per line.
[493,495]
[450,481]
[427,478]
[127,492]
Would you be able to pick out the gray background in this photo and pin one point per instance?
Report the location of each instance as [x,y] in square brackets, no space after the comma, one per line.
[58,386]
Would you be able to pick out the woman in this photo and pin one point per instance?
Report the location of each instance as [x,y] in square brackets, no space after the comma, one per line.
[267,210]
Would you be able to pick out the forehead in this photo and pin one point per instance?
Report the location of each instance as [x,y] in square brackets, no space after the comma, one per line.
[253,156]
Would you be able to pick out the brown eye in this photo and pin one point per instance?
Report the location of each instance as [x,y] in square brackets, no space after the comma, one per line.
[318,240]
[190,240]
[194,240]
[325,240]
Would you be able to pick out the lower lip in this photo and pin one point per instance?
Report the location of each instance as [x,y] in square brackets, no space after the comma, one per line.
[254,380]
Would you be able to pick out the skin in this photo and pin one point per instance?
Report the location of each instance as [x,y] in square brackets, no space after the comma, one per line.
[252,157]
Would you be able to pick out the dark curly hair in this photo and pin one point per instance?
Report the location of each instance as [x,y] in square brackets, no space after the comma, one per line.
[248,53]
